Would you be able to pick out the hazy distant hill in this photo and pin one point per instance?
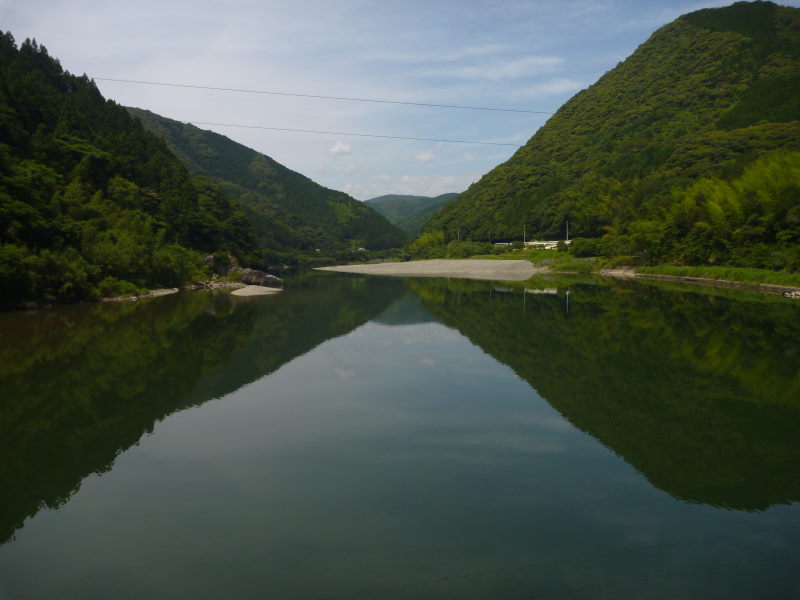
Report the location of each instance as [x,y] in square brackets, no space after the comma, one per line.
[409,213]
[287,210]
[686,151]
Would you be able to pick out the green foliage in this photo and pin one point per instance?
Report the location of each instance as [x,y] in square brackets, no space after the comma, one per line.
[431,244]
[750,221]
[111,286]
[584,247]
[458,249]
[90,203]
[683,152]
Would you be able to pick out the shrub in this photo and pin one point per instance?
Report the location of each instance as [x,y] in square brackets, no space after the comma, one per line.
[584,247]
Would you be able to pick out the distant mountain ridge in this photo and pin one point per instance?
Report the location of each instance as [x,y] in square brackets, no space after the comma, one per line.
[409,213]
[685,152]
[287,210]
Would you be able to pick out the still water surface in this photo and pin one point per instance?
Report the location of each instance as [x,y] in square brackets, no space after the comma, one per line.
[382,438]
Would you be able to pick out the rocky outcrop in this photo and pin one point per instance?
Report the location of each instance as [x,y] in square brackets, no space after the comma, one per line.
[226,265]
[256,277]
[221,263]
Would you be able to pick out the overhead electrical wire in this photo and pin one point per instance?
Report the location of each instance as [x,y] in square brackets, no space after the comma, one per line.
[287,129]
[320,97]
[369,135]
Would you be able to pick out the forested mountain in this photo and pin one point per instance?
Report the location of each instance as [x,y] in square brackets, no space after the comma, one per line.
[288,211]
[685,152]
[90,203]
[409,213]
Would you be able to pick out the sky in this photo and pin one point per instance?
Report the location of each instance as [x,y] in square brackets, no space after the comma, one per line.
[528,55]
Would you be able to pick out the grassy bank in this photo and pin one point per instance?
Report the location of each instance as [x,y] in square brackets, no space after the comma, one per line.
[564,262]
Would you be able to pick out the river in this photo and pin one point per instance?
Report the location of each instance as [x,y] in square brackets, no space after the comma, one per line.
[357,437]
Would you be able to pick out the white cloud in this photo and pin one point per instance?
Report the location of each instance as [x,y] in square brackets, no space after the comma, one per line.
[426,156]
[340,149]
[560,85]
[502,69]
[344,372]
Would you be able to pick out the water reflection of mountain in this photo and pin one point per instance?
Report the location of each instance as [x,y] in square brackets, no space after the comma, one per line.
[700,393]
[83,383]
[408,309]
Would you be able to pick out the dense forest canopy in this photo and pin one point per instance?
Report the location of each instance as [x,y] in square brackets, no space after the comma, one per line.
[685,152]
[289,212]
[90,203]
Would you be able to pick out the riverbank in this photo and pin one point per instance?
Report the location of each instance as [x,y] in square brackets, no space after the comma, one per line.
[499,270]
[767,288]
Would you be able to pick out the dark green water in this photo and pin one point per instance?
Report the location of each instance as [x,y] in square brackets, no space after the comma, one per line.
[382,438]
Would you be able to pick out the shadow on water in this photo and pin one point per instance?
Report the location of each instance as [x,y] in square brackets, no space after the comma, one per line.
[699,392]
[83,383]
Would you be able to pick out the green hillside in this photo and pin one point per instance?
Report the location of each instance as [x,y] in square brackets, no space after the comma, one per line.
[288,211]
[409,213]
[90,203]
[685,152]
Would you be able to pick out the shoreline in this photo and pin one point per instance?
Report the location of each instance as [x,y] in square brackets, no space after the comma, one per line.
[521,270]
[206,285]
[471,268]
[766,288]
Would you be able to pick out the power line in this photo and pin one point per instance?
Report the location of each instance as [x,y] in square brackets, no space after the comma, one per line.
[298,95]
[369,135]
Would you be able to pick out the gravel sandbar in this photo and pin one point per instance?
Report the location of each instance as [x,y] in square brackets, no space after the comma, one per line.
[502,270]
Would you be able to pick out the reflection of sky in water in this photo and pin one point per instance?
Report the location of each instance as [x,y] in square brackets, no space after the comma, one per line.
[392,462]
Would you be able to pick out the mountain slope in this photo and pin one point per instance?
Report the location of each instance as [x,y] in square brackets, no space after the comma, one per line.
[409,213]
[707,96]
[287,210]
[90,203]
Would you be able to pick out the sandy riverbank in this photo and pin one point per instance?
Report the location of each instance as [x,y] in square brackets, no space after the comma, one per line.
[501,270]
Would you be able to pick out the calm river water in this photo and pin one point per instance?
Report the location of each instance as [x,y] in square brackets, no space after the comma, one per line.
[357,438]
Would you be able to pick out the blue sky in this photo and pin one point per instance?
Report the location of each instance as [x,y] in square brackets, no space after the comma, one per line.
[522,54]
